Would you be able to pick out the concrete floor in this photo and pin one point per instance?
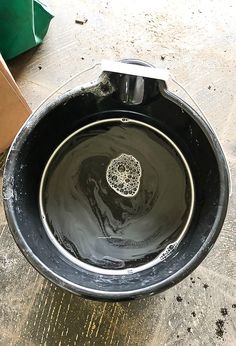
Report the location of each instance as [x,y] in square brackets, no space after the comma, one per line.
[196,40]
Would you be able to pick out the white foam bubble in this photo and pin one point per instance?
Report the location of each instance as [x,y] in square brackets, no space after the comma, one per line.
[123,175]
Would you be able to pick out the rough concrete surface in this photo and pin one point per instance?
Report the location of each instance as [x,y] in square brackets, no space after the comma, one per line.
[196,40]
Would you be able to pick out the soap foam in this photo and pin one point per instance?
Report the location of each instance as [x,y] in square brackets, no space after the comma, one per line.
[123,175]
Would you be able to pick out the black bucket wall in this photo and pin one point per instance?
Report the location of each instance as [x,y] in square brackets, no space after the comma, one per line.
[116,190]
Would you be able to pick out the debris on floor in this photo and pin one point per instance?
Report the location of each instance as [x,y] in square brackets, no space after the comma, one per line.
[80,20]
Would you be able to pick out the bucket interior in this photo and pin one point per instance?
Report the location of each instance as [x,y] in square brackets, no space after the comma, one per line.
[116,194]
[192,158]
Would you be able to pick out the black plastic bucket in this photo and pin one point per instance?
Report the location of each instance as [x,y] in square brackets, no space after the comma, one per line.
[141,101]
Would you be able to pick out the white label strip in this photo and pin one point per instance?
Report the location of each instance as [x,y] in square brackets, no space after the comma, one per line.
[135,70]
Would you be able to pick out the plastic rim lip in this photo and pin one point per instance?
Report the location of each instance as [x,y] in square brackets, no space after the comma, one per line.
[99,270]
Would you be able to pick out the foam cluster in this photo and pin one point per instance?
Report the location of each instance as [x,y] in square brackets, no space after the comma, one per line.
[123,175]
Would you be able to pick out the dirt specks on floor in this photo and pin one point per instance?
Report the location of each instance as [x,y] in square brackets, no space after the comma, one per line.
[179,299]
[81,20]
[224,311]
[220,328]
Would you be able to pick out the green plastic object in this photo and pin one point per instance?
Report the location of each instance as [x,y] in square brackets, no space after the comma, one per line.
[23,25]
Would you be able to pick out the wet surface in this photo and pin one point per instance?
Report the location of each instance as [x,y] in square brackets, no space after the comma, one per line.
[96,224]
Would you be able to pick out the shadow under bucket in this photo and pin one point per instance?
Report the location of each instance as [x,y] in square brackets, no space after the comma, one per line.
[116,190]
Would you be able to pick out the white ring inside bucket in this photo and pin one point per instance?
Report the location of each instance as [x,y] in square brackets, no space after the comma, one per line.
[163,255]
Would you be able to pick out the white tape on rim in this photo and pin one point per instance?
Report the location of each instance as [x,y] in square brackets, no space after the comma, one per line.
[135,70]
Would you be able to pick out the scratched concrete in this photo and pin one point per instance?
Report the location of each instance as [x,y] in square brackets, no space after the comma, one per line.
[196,40]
